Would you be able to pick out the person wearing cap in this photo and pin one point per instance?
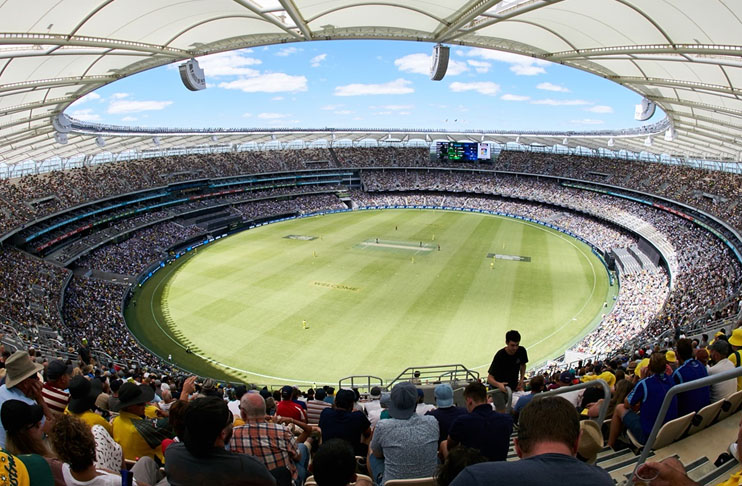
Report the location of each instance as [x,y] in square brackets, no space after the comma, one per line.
[537,385]
[138,437]
[58,375]
[342,422]
[406,445]
[566,379]
[446,412]
[482,428]
[316,405]
[287,408]
[647,396]
[271,442]
[202,457]
[372,406]
[508,369]
[24,435]
[548,441]
[83,396]
[735,341]
[22,383]
[690,369]
[719,352]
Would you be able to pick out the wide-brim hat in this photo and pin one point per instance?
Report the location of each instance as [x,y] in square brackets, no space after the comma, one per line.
[133,394]
[736,338]
[591,441]
[18,367]
[83,393]
[403,401]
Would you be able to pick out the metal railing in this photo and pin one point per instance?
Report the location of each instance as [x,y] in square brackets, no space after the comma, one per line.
[449,373]
[362,382]
[606,395]
[672,393]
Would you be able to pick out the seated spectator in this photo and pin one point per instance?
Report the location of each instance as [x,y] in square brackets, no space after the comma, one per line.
[404,446]
[621,391]
[22,423]
[341,422]
[316,405]
[287,408]
[458,458]
[58,375]
[334,464]
[690,369]
[482,428]
[83,395]
[567,379]
[719,353]
[446,412]
[138,437]
[202,459]
[735,341]
[272,443]
[646,397]
[373,406]
[537,385]
[422,408]
[73,442]
[547,443]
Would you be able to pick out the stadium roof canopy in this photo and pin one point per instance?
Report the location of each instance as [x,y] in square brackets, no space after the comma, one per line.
[685,55]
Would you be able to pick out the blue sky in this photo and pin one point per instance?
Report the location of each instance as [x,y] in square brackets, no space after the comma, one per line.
[368,84]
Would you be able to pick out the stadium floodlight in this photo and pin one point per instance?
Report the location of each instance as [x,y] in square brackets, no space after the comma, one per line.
[644,110]
[439,64]
[610,142]
[670,134]
[192,75]
[61,138]
[100,142]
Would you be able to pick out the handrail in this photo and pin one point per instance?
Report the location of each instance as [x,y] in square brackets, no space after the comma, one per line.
[580,386]
[367,385]
[438,372]
[675,390]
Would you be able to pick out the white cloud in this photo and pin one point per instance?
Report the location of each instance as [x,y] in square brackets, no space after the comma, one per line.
[129,119]
[342,112]
[520,65]
[587,121]
[600,109]
[228,64]
[246,115]
[398,86]
[479,66]
[272,116]
[552,102]
[482,87]
[268,83]
[392,107]
[287,51]
[420,64]
[552,87]
[131,106]
[317,60]
[85,115]
[277,98]
[119,96]
[512,97]
[88,97]
[331,107]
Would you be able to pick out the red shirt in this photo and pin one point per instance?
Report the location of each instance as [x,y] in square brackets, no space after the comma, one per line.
[287,408]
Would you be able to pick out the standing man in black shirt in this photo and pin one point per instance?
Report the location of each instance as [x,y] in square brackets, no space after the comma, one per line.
[508,368]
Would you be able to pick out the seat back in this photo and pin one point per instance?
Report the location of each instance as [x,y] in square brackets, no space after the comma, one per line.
[705,417]
[734,401]
[672,431]
[412,482]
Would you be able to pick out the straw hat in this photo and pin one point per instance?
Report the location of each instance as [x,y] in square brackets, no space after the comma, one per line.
[19,367]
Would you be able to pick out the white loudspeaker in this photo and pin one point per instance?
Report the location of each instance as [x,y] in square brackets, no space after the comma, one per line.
[670,134]
[648,141]
[439,65]
[645,110]
[192,75]
[610,142]
[156,141]
[61,138]
[100,142]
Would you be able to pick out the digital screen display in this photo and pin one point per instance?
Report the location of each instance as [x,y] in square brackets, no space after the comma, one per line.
[463,151]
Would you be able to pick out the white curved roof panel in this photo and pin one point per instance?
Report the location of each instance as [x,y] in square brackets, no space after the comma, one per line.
[685,55]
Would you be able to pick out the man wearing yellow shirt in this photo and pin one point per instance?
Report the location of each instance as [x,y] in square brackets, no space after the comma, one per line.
[735,357]
[138,437]
[83,393]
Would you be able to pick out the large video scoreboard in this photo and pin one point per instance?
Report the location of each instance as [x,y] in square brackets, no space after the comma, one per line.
[463,151]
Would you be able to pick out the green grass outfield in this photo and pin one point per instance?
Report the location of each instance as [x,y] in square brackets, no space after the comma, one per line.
[372,306]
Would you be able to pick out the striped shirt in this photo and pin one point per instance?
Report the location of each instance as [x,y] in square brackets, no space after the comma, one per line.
[314,409]
[55,398]
[272,444]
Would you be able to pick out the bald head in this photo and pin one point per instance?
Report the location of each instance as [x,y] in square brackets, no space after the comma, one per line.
[252,406]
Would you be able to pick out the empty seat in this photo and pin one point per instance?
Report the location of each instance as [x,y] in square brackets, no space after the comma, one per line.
[705,417]
[734,401]
[669,433]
